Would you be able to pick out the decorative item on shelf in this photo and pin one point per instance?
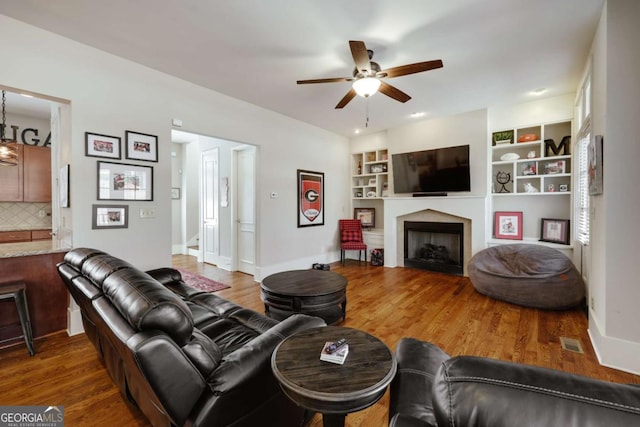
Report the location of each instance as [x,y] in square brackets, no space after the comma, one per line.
[371,194]
[530,188]
[8,147]
[554,230]
[528,137]
[564,187]
[385,189]
[358,193]
[367,216]
[553,168]
[378,168]
[509,157]
[372,182]
[507,225]
[503,178]
[531,154]
[503,137]
[529,169]
[550,148]
[359,167]
[551,188]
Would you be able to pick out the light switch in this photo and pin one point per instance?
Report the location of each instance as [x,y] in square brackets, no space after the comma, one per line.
[147,212]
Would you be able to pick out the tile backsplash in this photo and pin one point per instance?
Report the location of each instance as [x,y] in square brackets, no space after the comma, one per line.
[25,216]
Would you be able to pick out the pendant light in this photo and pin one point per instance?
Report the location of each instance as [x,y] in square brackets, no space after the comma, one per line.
[8,147]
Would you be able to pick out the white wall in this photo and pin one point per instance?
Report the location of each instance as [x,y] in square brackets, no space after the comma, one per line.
[614,317]
[110,95]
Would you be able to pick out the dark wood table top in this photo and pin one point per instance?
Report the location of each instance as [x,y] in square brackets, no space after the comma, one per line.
[327,387]
[304,283]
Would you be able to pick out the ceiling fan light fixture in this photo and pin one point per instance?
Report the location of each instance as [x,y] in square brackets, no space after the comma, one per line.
[366,86]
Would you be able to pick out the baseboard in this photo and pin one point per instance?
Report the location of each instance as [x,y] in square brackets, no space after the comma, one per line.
[296,264]
[612,352]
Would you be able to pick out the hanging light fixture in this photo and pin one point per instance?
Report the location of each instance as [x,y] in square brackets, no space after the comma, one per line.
[8,147]
[366,86]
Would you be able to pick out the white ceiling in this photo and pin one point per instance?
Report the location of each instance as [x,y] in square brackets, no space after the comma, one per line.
[494,51]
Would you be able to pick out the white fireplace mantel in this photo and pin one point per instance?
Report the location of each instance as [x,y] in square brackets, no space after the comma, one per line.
[472,208]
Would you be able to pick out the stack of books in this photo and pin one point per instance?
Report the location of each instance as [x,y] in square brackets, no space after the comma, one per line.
[335,352]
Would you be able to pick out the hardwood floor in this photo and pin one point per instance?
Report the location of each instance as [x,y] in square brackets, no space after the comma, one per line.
[388,303]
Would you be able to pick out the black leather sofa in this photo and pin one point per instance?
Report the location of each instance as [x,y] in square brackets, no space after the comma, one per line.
[432,389]
[184,357]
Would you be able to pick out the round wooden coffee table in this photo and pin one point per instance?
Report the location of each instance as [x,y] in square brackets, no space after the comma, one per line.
[314,292]
[332,389]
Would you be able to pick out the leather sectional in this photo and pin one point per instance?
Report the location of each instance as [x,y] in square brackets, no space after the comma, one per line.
[432,389]
[182,356]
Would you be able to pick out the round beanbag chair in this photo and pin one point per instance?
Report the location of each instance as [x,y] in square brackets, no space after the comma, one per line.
[529,275]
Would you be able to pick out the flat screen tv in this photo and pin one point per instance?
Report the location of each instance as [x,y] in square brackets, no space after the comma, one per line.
[432,171]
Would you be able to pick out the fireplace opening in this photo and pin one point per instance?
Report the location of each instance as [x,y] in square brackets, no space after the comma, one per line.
[434,246]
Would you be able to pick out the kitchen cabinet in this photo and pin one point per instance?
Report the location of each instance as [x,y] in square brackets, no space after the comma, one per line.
[11,179]
[30,179]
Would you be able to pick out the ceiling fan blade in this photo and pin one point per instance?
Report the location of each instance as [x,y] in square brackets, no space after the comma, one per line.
[330,80]
[345,100]
[360,56]
[418,67]
[393,92]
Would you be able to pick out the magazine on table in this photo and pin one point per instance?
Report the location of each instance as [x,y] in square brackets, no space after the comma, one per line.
[334,354]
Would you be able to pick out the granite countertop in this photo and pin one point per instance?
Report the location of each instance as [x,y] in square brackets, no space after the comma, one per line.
[10,250]
[23,228]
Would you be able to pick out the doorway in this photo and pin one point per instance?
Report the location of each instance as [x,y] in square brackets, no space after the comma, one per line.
[211,220]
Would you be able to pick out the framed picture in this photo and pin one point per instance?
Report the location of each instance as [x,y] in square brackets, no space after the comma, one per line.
[554,231]
[97,145]
[310,198]
[175,193]
[120,181]
[63,186]
[141,146]
[594,165]
[110,216]
[508,225]
[367,216]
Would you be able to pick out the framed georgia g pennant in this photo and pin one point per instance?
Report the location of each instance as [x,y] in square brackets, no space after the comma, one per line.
[310,198]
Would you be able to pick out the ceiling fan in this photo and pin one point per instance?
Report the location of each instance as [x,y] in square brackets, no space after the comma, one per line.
[367,75]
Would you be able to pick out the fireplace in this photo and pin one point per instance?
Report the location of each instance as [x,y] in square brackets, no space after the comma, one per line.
[434,246]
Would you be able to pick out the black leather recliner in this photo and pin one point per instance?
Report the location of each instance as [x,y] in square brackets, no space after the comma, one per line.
[183,356]
[432,389]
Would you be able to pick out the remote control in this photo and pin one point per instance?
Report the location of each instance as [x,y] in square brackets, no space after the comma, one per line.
[336,346]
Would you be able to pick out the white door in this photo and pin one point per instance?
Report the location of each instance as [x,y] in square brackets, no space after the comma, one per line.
[209,205]
[245,209]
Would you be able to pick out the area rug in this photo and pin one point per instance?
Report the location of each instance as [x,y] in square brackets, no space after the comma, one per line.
[200,282]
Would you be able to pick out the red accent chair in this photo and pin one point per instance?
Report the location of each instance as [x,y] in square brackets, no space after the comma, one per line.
[351,238]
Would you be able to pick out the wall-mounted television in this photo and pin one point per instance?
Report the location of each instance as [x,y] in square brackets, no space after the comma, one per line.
[432,171]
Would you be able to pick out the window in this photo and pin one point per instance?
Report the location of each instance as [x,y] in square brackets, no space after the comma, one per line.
[583,114]
[582,198]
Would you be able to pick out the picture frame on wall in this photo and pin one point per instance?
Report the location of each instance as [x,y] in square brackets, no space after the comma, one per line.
[594,165]
[141,146]
[507,225]
[121,181]
[310,198]
[367,216]
[98,145]
[554,230]
[110,216]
